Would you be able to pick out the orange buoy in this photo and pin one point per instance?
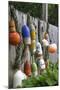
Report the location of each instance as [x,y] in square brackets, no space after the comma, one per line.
[14,38]
[27,68]
[52,48]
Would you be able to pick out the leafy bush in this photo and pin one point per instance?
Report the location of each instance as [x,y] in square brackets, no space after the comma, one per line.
[47,78]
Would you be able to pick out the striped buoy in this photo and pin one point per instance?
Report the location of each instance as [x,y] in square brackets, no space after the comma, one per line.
[33,32]
[26,35]
[33,46]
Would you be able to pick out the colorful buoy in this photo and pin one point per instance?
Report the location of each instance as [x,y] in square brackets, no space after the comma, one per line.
[11,23]
[27,68]
[12,27]
[14,38]
[27,41]
[33,46]
[33,32]
[25,31]
[26,35]
[45,35]
[26,61]
[52,48]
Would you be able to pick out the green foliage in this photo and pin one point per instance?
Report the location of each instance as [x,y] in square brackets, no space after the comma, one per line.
[47,78]
[53,14]
[35,10]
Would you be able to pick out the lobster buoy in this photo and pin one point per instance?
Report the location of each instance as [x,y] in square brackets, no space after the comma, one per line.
[17,79]
[46,35]
[45,42]
[14,38]
[34,69]
[26,34]
[33,32]
[33,46]
[52,48]
[27,68]
[26,60]
[38,49]
[12,29]
[41,63]
[27,41]
[12,26]
[25,31]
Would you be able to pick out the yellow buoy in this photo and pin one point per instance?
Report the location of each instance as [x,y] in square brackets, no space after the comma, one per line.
[33,46]
[33,32]
[33,35]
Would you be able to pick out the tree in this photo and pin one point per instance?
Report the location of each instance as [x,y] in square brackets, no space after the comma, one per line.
[35,10]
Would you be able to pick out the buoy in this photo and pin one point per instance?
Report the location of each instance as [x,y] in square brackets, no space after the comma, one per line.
[52,48]
[26,35]
[14,38]
[38,49]
[11,23]
[12,29]
[45,42]
[45,35]
[26,60]
[33,46]
[27,41]
[27,68]
[12,26]
[33,32]
[41,63]
[25,31]
[34,69]
[18,77]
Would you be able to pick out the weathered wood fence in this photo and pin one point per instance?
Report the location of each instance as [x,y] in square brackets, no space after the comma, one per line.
[53,33]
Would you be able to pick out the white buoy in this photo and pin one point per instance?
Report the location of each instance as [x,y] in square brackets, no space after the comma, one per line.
[45,42]
[18,77]
[42,63]
[38,48]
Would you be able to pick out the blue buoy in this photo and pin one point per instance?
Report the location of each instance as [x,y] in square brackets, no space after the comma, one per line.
[25,31]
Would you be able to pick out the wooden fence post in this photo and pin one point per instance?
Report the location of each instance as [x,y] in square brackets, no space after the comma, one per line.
[45,29]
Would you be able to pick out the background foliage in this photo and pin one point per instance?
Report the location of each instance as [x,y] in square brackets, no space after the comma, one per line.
[35,10]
